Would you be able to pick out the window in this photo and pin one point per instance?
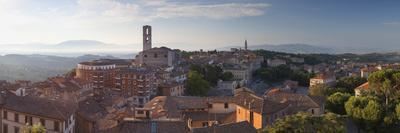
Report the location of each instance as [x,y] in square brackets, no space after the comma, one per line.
[145,55]
[210,105]
[56,126]
[140,112]
[238,111]
[226,105]
[16,117]
[155,55]
[43,122]
[16,129]
[165,56]
[5,128]
[28,120]
[312,111]
[5,114]
[205,124]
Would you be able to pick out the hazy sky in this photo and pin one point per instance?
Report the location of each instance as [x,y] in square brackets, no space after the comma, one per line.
[203,23]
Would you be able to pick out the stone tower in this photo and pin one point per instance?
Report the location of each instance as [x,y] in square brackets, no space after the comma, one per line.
[146,37]
[245,44]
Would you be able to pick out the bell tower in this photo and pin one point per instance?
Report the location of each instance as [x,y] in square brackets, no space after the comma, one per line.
[146,37]
[245,44]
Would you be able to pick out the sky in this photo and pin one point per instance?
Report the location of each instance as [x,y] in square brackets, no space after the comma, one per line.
[203,23]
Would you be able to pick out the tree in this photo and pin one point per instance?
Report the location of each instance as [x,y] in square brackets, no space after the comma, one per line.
[303,77]
[304,122]
[212,74]
[196,85]
[386,84]
[227,76]
[349,83]
[398,111]
[365,111]
[335,102]
[36,128]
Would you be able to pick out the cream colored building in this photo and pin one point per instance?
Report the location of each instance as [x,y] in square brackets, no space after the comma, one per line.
[18,112]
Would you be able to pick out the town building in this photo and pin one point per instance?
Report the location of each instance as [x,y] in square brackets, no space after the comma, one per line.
[171,89]
[327,79]
[361,89]
[365,72]
[161,56]
[256,110]
[17,112]
[239,127]
[137,83]
[275,62]
[315,105]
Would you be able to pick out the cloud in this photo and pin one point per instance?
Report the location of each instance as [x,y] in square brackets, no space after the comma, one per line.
[51,21]
[149,10]
[215,11]
[391,23]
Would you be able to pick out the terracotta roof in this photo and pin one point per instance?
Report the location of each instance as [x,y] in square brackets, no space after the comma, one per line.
[364,86]
[90,109]
[151,126]
[248,100]
[206,116]
[172,106]
[38,106]
[240,127]
[296,99]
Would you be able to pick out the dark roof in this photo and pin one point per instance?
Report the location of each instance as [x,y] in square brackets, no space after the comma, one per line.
[38,106]
[248,99]
[151,126]
[296,99]
[90,109]
[240,127]
[101,62]
[206,116]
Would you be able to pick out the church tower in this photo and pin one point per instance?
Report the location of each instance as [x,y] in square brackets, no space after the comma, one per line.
[245,44]
[146,37]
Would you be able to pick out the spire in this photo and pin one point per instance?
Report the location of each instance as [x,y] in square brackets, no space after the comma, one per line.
[245,44]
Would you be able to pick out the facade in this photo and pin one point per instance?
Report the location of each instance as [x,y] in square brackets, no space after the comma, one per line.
[100,74]
[17,112]
[323,79]
[275,62]
[227,85]
[368,70]
[361,89]
[240,73]
[257,111]
[137,83]
[162,56]
[171,89]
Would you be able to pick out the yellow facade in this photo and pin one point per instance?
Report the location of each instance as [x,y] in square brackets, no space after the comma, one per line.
[243,114]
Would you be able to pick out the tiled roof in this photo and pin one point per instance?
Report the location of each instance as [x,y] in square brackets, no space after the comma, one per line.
[38,106]
[296,99]
[364,86]
[151,126]
[240,127]
[247,99]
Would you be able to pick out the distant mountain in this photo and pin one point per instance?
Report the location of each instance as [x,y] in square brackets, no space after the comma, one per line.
[289,48]
[294,48]
[307,49]
[72,48]
[81,43]
[38,67]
